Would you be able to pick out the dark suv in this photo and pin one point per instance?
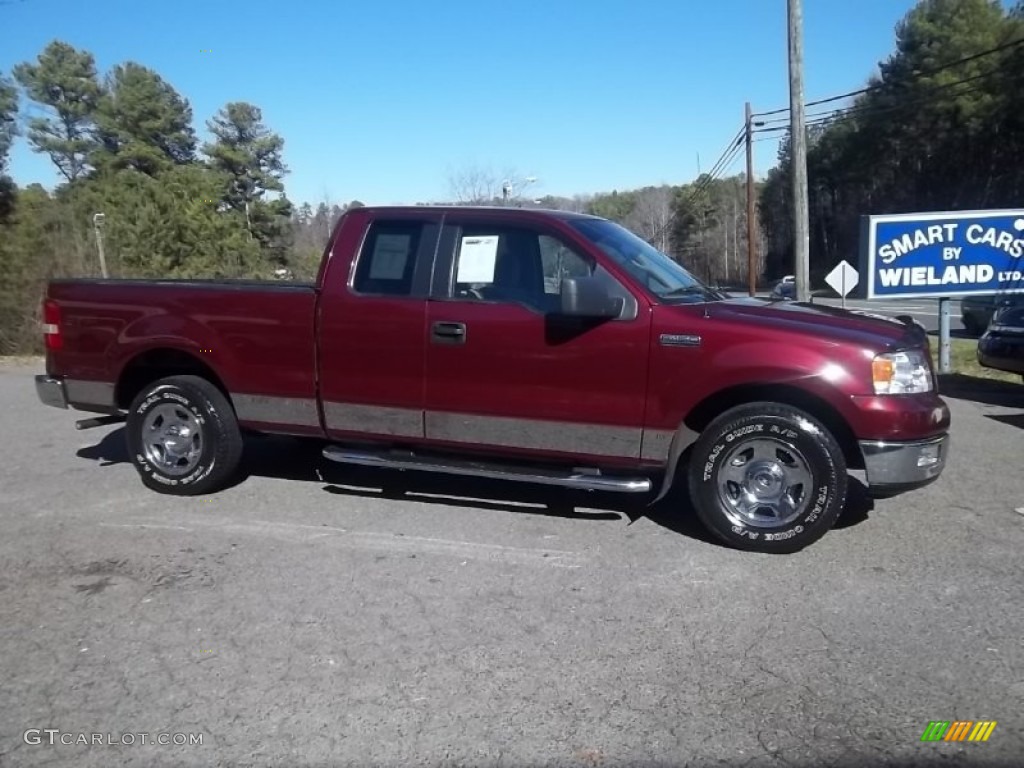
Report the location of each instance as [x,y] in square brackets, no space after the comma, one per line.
[976,311]
[1002,345]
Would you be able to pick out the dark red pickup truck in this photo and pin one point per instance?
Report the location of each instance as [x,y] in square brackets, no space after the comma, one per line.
[540,346]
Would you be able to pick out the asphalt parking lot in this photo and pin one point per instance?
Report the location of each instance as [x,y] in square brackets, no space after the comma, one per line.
[314,616]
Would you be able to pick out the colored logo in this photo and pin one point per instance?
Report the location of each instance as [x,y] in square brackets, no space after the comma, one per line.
[958,730]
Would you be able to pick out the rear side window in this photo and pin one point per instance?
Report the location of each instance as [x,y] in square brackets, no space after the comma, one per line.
[388,258]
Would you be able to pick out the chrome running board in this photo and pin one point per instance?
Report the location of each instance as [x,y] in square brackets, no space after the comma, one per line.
[591,480]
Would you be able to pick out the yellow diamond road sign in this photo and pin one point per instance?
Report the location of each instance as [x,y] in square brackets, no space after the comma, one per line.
[843,279]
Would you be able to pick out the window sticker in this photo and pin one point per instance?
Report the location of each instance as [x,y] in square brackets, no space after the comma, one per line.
[477,255]
[390,256]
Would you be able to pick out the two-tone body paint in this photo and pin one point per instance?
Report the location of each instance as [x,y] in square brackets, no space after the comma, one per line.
[260,342]
[323,360]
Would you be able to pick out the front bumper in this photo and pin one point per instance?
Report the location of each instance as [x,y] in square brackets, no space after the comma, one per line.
[896,467]
[51,391]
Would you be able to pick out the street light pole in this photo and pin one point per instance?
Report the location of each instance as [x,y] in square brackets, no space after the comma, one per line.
[798,136]
[97,225]
[510,186]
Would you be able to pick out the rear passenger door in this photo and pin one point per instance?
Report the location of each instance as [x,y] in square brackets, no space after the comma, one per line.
[372,327]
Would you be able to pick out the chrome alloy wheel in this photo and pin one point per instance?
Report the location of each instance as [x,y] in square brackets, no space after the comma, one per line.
[764,483]
[172,439]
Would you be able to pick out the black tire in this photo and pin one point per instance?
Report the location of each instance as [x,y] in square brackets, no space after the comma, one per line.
[803,449]
[214,442]
[972,327]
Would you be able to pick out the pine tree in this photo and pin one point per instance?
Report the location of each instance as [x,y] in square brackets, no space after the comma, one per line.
[8,130]
[65,80]
[250,156]
[142,123]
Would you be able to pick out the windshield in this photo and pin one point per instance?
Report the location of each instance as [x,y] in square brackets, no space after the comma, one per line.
[658,273]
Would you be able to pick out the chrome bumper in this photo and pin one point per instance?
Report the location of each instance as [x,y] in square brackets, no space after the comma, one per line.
[895,467]
[51,391]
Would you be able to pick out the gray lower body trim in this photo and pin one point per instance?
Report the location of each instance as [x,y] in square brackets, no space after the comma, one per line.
[556,436]
[530,434]
[265,409]
[373,419]
[904,464]
[97,393]
[657,444]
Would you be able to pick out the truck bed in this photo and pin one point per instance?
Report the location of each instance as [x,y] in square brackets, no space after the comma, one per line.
[261,334]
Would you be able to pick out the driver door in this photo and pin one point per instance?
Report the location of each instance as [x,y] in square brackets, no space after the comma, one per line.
[505,372]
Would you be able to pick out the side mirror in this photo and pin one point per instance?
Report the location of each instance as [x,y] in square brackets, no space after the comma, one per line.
[588,297]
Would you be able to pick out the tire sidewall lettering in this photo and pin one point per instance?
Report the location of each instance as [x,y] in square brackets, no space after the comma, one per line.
[820,491]
[206,464]
[727,441]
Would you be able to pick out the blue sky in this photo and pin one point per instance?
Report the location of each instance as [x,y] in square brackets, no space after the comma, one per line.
[385,101]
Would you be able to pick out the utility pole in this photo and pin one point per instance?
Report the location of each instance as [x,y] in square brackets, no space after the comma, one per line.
[751,224]
[97,225]
[798,136]
[735,230]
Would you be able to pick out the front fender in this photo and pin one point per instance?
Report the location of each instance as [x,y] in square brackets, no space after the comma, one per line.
[694,394]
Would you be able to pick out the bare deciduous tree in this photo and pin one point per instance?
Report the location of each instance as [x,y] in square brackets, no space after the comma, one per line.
[475,185]
[482,185]
[652,215]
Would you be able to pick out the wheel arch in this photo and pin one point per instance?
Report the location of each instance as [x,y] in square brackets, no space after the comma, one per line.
[158,363]
[712,406]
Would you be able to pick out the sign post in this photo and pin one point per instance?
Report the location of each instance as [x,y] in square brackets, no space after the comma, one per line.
[943,255]
[944,343]
[843,279]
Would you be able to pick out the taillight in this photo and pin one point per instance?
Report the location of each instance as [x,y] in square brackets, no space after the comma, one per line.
[51,325]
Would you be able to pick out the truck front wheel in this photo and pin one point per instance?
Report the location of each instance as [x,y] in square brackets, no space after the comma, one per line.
[183,437]
[767,477]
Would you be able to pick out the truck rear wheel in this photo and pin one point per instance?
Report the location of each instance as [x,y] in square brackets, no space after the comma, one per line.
[183,437]
[767,477]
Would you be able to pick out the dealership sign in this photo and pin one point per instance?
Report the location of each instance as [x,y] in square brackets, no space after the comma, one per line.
[934,255]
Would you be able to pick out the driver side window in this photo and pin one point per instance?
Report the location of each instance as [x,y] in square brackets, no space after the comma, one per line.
[511,264]
[560,261]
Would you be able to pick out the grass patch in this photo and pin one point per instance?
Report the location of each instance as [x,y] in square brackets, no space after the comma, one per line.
[963,357]
[971,381]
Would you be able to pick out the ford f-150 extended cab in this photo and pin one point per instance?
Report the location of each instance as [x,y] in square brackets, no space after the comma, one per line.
[540,346]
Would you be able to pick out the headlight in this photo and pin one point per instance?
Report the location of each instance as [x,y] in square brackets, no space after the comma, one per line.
[901,373]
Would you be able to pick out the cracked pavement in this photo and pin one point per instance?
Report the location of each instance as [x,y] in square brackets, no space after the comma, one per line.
[314,615]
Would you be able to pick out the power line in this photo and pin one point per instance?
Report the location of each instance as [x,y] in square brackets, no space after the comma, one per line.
[724,165]
[841,115]
[913,76]
[859,108]
[730,147]
[728,156]
[708,180]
